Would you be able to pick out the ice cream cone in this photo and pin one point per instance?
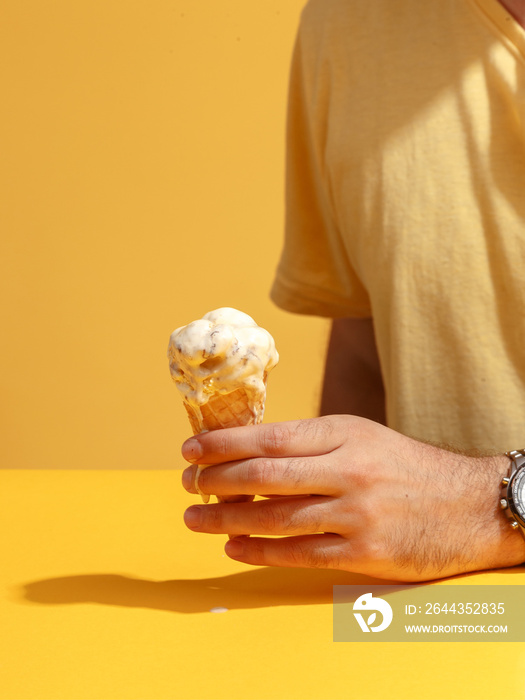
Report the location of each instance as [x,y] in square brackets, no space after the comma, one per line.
[222,411]
[220,364]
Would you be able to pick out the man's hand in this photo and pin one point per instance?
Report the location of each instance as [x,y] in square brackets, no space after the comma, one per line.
[346,493]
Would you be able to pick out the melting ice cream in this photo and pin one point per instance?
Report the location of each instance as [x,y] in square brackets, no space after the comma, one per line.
[224,354]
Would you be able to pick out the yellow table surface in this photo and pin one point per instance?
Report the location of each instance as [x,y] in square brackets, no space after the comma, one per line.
[106,595]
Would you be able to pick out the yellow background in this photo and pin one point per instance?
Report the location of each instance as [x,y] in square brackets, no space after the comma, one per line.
[142,154]
[141,185]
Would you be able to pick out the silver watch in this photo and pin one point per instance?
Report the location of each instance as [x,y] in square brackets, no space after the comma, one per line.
[513,490]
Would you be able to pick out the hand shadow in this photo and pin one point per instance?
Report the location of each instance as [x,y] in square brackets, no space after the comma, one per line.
[258,588]
[262,587]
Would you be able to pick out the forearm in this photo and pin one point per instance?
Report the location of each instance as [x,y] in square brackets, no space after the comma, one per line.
[352,381]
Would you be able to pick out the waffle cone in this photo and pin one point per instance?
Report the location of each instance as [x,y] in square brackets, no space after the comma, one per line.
[223,411]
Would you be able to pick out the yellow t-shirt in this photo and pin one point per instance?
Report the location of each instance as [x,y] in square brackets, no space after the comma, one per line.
[406,202]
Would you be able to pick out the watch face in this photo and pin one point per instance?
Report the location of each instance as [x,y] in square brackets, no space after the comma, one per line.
[518,493]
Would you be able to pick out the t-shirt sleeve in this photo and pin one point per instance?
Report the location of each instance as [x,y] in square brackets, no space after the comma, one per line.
[314,275]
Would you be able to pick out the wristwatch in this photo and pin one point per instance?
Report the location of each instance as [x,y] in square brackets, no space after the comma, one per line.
[513,490]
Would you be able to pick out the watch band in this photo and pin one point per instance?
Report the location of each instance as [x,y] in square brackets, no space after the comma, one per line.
[517,458]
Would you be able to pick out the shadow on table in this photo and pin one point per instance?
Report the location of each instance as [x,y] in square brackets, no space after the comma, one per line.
[263,587]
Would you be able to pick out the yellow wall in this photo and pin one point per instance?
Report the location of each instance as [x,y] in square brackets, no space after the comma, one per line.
[141,186]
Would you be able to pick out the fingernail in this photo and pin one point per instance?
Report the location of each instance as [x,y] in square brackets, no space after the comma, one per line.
[187,479]
[193,517]
[191,450]
[234,549]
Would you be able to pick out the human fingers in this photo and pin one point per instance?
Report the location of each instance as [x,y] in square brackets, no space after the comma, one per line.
[313,436]
[265,476]
[276,516]
[235,499]
[320,551]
